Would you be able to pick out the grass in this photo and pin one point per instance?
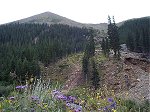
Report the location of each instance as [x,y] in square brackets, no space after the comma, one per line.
[98,101]
[60,70]
[5,88]
[32,98]
[44,96]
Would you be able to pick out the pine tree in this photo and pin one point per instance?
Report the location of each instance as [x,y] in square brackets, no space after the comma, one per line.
[95,76]
[130,42]
[136,33]
[88,54]
[113,37]
[103,45]
[107,47]
[85,64]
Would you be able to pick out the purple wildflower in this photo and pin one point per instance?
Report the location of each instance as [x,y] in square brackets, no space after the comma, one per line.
[55,92]
[105,108]
[110,100]
[61,97]
[71,98]
[32,110]
[77,110]
[21,87]
[12,98]
[68,104]
[35,98]
[113,105]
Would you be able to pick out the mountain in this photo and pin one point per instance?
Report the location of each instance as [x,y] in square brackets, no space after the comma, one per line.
[51,18]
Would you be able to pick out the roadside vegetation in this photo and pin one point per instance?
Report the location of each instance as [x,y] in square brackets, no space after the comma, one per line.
[47,97]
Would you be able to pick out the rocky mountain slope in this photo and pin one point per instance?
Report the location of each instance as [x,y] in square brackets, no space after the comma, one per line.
[51,18]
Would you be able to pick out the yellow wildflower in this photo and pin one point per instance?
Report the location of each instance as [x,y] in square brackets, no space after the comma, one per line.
[8,101]
[114,110]
[45,105]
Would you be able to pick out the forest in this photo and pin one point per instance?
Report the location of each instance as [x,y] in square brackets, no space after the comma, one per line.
[23,46]
[136,34]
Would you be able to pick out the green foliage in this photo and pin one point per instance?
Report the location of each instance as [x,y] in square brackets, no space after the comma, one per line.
[22,46]
[88,63]
[132,106]
[37,97]
[95,76]
[88,54]
[136,34]
[85,63]
[97,101]
[113,37]
[5,89]
[90,45]
[105,46]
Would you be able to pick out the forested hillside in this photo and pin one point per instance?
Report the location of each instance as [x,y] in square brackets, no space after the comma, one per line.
[136,34]
[22,46]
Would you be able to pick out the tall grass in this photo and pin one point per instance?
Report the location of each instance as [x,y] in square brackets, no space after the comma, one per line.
[44,96]
[36,97]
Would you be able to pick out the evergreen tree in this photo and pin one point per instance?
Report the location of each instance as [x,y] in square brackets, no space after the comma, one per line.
[89,53]
[103,45]
[113,37]
[136,32]
[95,76]
[107,47]
[130,42]
[85,64]
[22,46]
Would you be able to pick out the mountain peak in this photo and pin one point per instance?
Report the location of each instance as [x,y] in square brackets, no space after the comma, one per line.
[49,18]
[52,18]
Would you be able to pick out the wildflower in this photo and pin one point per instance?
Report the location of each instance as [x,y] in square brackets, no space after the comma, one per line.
[32,110]
[113,105]
[21,87]
[68,104]
[31,79]
[127,93]
[1,98]
[114,110]
[45,105]
[98,93]
[105,108]
[71,98]
[8,101]
[55,92]
[110,100]
[35,98]
[98,103]
[12,98]
[77,110]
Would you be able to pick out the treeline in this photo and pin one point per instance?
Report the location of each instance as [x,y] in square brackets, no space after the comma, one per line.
[136,34]
[22,46]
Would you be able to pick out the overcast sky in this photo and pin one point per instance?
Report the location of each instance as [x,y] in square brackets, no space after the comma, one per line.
[84,11]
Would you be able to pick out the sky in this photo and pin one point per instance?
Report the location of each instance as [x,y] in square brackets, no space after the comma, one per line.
[84,11]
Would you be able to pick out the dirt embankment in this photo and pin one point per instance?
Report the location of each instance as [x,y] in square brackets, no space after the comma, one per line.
[129,76]
[74,80]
